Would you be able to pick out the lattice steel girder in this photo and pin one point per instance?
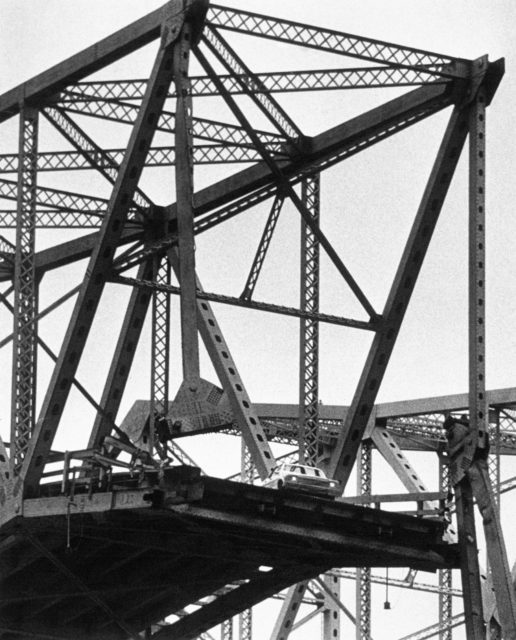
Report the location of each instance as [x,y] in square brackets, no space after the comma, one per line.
[202,128]
[277,82]
[57,198]
[334,41]
[344,454]
[23,390]
[309,329]
[91,152]
[445,575]
[101,260]
[363,574]
[158,157]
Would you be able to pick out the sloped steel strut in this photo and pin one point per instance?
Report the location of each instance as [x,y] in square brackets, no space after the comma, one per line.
[245,414]
[252,86]
[99,267]
[263,247]
[346,448]
[25,295]
[184,190]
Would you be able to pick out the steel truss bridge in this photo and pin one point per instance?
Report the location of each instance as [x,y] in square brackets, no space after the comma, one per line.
[123,535]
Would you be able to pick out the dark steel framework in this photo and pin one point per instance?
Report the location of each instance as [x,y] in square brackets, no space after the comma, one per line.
[140,244]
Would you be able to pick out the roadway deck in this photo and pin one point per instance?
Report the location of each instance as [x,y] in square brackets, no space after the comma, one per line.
[106,565]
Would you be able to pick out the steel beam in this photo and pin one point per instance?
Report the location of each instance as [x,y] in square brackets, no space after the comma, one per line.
[122,360]
[289,610]
[99,265]
[227,372]
[184,195]
[332,607]
[478,476]
[417,244]
[332,146]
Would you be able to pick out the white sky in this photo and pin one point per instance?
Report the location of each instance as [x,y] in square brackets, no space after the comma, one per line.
[367,203]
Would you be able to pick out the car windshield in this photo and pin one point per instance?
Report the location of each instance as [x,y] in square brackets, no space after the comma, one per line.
[306,471]
[297,468]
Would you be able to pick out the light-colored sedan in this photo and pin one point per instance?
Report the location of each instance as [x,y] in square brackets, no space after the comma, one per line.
[301,477]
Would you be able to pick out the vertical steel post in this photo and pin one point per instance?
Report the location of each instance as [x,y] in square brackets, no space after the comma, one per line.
[331,613]
[246,624]
[25,294]
[227,630]
[309,329]
[493,461]
[470,572]
[477,333]
[184,195]
[245,619]
[160,348]
[445,575]
[363,580]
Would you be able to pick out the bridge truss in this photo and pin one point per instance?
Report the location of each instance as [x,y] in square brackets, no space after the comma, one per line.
[113,134]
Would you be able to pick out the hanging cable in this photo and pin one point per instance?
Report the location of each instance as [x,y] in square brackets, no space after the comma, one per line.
[387,604]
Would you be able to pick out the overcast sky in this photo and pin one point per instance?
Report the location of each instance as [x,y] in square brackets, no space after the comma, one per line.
[367,206]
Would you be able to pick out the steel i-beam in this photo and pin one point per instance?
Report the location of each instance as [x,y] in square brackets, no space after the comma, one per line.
[184,195]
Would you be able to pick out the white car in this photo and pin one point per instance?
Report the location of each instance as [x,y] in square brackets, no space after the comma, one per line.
[301,477]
